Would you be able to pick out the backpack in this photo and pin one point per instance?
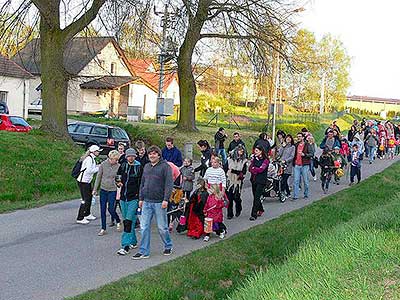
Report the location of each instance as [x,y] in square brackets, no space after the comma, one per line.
[76,170]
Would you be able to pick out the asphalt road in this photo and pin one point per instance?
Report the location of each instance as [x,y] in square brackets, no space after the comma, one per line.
[44,254]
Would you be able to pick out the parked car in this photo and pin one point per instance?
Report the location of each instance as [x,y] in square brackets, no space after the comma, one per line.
[4,108]
[13,123]
[35,107]
[105,136]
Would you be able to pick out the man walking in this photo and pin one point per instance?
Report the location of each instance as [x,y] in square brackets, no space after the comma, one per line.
[155,191]
[171,153]
[129,174]
[219,139]
[302,160]
[236,142]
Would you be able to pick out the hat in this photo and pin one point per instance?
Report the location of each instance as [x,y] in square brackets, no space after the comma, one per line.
[130,152]
[221,128]
[94,148]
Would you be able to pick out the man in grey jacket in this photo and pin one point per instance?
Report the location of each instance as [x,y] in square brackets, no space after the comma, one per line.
[155,191]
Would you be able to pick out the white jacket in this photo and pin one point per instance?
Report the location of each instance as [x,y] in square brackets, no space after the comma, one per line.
[88,169]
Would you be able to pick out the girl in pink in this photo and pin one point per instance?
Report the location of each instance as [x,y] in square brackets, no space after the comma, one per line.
[216,201]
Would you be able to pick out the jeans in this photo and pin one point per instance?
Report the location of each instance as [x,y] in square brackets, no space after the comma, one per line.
[285,184]
[371,152]
[128,210]
[312,169]
[150,209]
[107,197]
[300,171]
[222,153]
[86,194]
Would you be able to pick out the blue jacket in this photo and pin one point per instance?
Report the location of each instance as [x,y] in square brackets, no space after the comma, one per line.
[173,155]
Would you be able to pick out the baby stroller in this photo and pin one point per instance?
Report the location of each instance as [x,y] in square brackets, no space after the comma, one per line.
[273,185]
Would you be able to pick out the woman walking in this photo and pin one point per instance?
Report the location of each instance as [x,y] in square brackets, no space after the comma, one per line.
[258,169]
[85,177]
[237,167]
[108,189]
[286,156]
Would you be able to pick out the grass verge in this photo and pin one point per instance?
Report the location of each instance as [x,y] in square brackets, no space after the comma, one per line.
[35,170]
[218,270]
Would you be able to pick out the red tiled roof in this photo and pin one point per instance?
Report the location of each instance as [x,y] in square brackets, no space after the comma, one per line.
[142,68]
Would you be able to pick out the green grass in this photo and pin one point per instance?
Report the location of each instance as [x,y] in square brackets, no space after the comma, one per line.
[35,170]
[221,269]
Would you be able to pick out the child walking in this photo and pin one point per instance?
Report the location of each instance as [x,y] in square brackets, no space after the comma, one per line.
[213,209]
[187,173]
[326,163]
[391,146]
[215,174]
[195,223]
[355,164]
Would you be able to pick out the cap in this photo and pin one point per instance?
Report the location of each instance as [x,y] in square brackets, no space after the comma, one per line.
[94,148]
[130,152]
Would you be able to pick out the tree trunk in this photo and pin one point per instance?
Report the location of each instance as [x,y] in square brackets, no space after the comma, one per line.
[187,84]
[54,81]
[187,89]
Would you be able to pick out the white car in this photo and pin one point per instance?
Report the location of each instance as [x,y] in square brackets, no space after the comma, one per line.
[35,106]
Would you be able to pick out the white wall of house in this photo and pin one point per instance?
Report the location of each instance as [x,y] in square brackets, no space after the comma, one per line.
[17,94]
[101,64]
[96,100]
[142,95]
[173,92]
[33,84]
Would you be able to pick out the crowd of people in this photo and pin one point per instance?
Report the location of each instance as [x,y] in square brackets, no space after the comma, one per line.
[145,183]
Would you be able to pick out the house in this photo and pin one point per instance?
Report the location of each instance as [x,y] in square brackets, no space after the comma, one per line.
[373,104]
[146,70]
[14,87]
[101,76]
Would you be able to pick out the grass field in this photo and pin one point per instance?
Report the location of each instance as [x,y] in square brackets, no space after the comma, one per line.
[343,247]
[35,170]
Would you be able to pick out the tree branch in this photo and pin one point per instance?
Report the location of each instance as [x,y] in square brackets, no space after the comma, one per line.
[226,36]
[72,29]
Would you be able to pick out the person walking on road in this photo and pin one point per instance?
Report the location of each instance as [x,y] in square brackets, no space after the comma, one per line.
[128,178]
[236,142]
[302,160]
[371,143]
[171,153]
[355,165]
[155,191]
[219,138]
[258,169]
[205,160]
[88,169]
[108,189]
[327,165]
[286,156]
[237,167]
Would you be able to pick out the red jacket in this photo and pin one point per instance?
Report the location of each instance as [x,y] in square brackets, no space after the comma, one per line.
[345,149]
[213,208]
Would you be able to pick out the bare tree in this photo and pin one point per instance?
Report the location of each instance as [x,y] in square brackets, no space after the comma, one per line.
[260,26]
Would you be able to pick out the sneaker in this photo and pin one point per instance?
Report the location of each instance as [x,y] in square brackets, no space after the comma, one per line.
[167,252]
[230,218]
[252,219]
[102,232]
[112,224]
[315,178]
[122,252]
[90,217]
[133,246]
[237,214]
[351,183]
[139,255]
[83,221]
[119,227]
[206,238]
[305,197]
[222,235]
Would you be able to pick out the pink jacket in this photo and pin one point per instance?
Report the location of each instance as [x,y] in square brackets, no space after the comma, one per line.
[213,208]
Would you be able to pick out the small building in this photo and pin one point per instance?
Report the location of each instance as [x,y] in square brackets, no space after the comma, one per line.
[101,76]
[15,85]
[373,105]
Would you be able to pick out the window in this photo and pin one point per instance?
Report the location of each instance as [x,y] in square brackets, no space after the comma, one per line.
[71,128]
[118,133]
[3,96]
[100,131]
[144,104]
[113,68]
[17,121]
[84,129]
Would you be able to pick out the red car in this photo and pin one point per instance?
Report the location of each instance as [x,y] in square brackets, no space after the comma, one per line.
[14,123]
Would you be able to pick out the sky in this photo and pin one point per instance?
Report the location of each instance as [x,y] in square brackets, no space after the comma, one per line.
[369,31]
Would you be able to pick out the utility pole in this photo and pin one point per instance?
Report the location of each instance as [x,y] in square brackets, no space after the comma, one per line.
[160,118]
[322,99]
